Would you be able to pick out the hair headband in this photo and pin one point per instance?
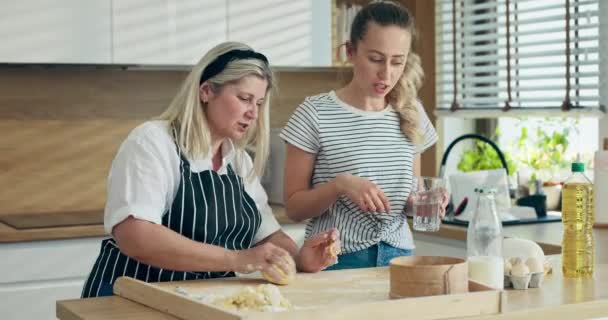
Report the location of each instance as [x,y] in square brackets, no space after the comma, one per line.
[218,65]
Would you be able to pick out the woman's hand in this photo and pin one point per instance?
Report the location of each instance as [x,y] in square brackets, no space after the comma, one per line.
[445,199]
[261,258]
[319,251]
[364,193]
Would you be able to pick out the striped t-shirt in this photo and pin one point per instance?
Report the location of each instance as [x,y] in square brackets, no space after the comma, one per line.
[367,144]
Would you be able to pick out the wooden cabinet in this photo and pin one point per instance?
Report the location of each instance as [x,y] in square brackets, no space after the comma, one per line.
[166,32]
[47,31]
[290,33]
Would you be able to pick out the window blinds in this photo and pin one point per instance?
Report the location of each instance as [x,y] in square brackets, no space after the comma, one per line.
[517,54]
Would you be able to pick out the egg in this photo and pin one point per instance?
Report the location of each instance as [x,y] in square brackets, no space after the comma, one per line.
[534,264]
[520,269]
[515,260]
[508,267]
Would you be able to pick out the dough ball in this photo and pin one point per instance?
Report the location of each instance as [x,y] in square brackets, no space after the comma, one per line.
[286,278]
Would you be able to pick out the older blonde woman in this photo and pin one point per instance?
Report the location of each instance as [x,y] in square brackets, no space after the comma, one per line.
[184,198]
[352,153]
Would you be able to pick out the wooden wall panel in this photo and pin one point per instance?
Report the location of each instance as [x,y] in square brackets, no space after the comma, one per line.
[58,167]
[85,93]
[295,86]
[60,128]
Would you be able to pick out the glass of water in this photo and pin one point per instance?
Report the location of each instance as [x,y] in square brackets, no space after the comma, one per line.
[427,198]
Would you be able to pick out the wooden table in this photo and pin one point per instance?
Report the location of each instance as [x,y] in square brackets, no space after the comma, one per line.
[557,292]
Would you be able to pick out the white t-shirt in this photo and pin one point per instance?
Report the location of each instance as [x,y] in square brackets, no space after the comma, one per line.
[145,176]
[369,144]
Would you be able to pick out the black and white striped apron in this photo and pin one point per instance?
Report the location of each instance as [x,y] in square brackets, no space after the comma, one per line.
[208,208]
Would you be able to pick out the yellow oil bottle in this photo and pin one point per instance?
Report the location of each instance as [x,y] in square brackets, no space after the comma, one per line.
[577,219]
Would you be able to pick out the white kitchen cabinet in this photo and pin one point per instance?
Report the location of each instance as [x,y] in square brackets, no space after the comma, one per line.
[48,31]
[164,31]
[289,33]
[428,244]
[34,275]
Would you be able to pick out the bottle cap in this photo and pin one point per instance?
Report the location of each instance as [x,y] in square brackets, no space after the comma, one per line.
[578,167]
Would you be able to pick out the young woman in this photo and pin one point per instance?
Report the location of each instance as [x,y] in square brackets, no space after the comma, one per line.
[352,153]
[184,198]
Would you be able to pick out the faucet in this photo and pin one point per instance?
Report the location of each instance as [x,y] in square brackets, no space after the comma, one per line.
[450,207]
[444,160]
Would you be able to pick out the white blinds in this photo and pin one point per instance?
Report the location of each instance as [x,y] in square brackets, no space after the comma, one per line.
[513,54]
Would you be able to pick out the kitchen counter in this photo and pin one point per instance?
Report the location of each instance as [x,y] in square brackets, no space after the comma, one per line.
[9,234]
[51,226]
[556,293]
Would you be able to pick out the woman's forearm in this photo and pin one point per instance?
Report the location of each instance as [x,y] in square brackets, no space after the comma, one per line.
[311,203]
[161,247]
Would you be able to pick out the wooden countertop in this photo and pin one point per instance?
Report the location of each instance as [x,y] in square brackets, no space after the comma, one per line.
[51,226]
[556,293]
[10,234]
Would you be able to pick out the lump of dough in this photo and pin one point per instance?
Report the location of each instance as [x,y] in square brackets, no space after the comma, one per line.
[265,297]
[286,278]
[332,250]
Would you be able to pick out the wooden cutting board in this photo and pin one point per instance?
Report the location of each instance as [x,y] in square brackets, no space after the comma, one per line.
[343,294]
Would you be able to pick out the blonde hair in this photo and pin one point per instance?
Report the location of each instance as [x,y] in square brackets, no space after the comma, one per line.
[187,115]
[404,96]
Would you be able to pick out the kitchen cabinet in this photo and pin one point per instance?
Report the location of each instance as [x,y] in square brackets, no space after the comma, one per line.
[47,31]
[166,32]
[162,32]
[289,33]
[36,274]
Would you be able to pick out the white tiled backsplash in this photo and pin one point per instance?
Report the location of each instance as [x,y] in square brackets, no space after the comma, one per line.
[272,181]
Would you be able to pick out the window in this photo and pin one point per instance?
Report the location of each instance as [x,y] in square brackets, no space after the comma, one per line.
[527,55]
[527,63]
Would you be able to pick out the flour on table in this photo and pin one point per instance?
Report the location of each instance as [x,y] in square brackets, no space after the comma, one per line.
[265,297]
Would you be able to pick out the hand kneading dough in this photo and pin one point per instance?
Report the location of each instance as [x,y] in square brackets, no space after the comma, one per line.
[285,278]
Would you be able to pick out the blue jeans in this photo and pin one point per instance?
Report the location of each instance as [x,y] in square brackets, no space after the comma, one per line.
[375,256]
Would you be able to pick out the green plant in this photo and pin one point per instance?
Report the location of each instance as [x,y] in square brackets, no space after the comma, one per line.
[545,153]
[483,157]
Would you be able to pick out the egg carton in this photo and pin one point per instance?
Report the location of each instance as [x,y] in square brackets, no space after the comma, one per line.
[528,275]
[530,280]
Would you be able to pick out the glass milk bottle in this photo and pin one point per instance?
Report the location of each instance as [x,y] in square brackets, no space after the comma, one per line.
[484,242]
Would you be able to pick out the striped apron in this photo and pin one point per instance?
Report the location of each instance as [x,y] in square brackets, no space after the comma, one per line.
[208,208]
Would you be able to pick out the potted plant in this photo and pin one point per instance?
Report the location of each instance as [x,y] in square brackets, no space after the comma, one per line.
[545,156]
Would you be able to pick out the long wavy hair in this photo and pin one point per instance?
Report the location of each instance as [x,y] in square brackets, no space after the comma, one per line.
[404,96]
[187,114]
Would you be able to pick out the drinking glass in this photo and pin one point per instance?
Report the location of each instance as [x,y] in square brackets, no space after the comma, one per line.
[427,197]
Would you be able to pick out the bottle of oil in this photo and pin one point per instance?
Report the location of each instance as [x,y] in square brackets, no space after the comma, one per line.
[577,218]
